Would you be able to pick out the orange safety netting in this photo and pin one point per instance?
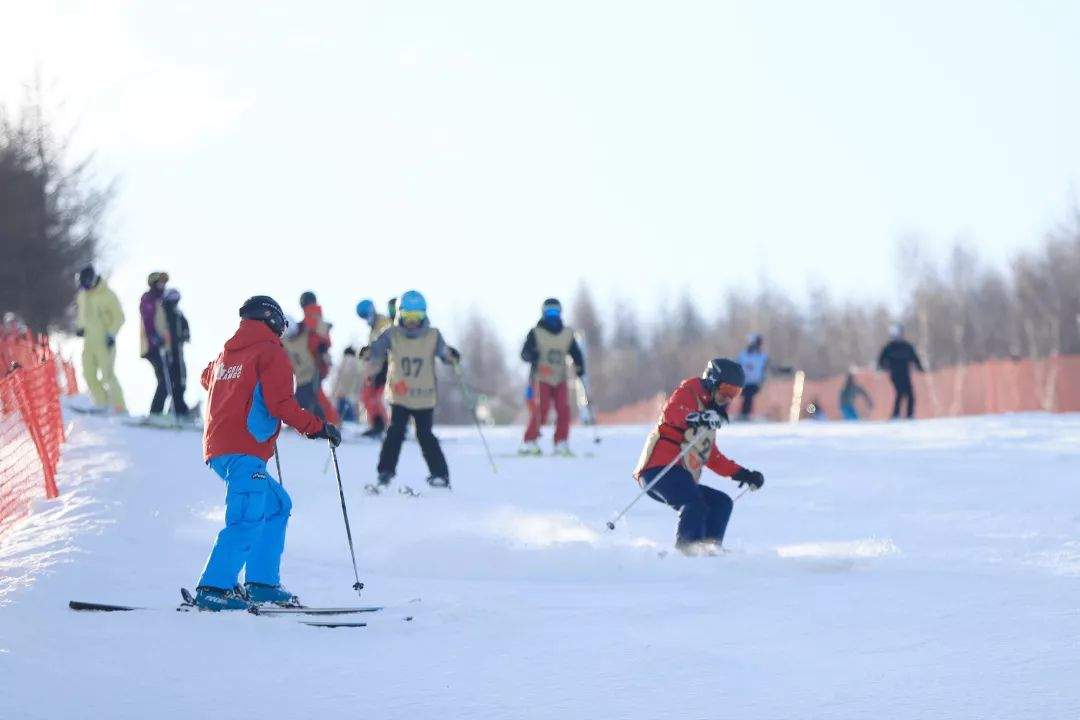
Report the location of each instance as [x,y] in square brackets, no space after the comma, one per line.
[994,386]
[31,423]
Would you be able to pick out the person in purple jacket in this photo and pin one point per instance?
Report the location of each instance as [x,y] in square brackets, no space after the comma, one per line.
[156,340]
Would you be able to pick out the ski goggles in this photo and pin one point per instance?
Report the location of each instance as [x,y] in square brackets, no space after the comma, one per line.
[412,317]
[727,391]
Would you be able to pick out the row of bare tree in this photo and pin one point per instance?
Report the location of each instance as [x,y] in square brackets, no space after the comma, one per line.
[956,310]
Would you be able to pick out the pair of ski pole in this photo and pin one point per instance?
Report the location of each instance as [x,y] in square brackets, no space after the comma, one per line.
[660,476]
[357,586]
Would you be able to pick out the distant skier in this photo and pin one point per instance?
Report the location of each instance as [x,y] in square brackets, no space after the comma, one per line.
[755,364]
[896,358]
[411,347]
[296,341]
[98,321]
[372,394]
[546,348]
[691,417]
[319,343]
[346,388]
[250,387]
[849,393]
[155,340]
[180,332]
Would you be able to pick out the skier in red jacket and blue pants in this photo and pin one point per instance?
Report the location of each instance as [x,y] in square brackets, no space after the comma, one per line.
[688,423]
[251,394]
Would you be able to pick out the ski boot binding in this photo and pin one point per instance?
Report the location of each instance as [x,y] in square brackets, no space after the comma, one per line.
[215,599]
[262,594]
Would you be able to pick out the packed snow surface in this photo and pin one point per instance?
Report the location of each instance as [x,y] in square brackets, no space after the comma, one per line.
[886,570]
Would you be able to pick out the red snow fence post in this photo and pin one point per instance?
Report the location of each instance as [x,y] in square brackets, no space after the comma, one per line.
[31,423]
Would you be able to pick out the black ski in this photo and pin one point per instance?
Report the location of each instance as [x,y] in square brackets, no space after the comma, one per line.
[101,607]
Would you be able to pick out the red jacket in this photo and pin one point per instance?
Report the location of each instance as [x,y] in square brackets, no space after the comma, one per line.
[251,393]
[318,338]
[666,441]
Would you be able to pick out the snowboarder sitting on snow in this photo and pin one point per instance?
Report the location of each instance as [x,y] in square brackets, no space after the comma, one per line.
[250,387]
[691,417]
[546,347]
[412,346]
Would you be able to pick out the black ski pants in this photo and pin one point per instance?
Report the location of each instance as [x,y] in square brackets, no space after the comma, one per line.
[161,362]
[703,511]
[748,393]
[904,391]
[429,444]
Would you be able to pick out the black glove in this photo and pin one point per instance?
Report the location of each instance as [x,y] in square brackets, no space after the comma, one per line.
[109,341]
[329,432]
[579,370]
[364,352]
[79,332]
[704,419]
[455,356]
[749,477]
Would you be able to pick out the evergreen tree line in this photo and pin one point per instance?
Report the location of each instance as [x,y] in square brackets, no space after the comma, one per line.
[956,310]
[51,215]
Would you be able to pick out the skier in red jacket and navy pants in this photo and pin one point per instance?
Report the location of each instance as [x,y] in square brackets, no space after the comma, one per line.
[251,394]
[690,419]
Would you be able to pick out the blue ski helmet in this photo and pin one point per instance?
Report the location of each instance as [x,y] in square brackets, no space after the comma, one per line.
[551,308]
[412,301]
[365,309]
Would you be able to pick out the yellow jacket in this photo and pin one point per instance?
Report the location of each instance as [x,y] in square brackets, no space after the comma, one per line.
[99,312]
[303,363]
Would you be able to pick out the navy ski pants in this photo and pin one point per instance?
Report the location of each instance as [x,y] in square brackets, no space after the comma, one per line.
[703,511]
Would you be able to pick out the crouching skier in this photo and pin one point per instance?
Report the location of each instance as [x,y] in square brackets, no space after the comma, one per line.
[250,387]
[690,418]
[412,346]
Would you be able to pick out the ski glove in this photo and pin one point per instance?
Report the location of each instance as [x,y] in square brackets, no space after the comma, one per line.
[329,432]
[109,341]
[579,370]
[749,477]
[704,419]
[453,354]
[79,332]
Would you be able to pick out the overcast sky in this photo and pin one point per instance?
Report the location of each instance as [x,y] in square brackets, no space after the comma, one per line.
[495,153]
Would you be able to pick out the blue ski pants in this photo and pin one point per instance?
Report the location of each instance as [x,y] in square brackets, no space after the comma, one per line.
[703,511]
[257,510]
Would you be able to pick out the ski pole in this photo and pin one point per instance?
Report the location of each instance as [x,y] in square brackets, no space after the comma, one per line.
[163,356]
[472,401]
[740,495]
[357,586]
[658,478]
[277,461]
[589,407]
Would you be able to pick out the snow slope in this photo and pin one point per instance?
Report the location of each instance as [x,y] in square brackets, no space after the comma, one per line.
[927,569]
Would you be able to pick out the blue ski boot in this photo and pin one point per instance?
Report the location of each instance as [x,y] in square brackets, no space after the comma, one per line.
[260,594]
[212,598]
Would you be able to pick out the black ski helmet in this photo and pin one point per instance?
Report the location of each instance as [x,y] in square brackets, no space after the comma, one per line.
[87,277]
[266,309]
[720,371]
[307,298]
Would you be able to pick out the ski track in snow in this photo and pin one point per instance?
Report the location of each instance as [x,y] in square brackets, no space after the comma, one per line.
[924,569]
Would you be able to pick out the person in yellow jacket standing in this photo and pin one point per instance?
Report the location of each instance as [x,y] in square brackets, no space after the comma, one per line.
[99,319]
[296,340]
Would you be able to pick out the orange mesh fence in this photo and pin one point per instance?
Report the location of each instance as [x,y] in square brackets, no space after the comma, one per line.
[31,425]
[995,386]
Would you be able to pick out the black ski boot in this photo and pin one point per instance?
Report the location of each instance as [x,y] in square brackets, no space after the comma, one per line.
[382,484]
[376,430]
[437,481]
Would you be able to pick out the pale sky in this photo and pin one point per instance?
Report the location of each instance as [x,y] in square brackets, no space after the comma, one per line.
[495,153]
